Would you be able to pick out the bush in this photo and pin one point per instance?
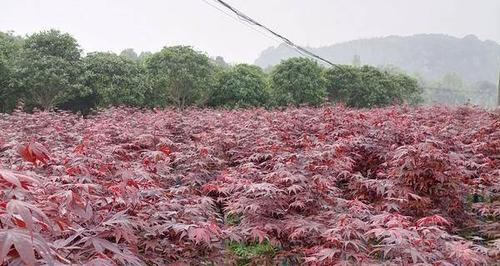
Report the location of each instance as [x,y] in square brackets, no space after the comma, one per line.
[369,86]
[47,70]
[114,80]
[10,47]
[180,76]
[298,81]
[240,86]
[303,186]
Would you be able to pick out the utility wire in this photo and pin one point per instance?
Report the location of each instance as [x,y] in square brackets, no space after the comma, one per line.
[239,20]
[298,48]
[245,23]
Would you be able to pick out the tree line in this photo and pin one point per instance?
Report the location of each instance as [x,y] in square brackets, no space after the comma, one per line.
[47,70]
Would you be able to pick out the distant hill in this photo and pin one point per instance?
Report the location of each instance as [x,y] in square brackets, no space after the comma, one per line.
[430,55]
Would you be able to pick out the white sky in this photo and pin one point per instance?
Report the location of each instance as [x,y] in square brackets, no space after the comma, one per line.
[148,25]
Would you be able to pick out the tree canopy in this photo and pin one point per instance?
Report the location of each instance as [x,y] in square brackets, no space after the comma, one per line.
[129,53]
[54,43]
[10,47]
[369,86]
[113,79]
[298,81]
[240,86]
[180,76]
[48,68]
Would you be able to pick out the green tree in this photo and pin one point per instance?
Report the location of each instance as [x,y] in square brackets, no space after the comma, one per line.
[48,68]
[10,47]
[110,79]
[409,89]
[240,86]
[369,86]
[180,76]
[298,81]
[54,43]
[129,53]
[453,81]
[450,90]
[143,55]
[483,93]
[356,60]
[220,62]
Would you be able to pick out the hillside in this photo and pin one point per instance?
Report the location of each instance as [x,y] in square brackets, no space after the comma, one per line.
[430,55]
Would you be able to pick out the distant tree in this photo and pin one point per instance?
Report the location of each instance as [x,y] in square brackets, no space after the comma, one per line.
[129,53]
[220,62]
[453,81]
[143,55]
[483,93]
[409,87]
[441,95]
[110,79]
[449,90]
[240,86]
[371,87]
[180,76]
[356,60]
[433,55]
[48,68]
[298,81]
[10,47]
[54,43]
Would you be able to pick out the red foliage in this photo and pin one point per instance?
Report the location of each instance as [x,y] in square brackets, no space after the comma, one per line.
[325,186]
[33,152]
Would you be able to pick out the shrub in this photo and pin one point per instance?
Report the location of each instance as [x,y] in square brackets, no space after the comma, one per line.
[298,81]
[371,87]
[240,86]
[179,76]
[313,186]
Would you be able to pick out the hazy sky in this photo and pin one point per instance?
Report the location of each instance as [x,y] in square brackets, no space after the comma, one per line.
[148,25]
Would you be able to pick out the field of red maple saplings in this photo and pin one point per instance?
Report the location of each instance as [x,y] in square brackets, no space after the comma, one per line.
[301,186]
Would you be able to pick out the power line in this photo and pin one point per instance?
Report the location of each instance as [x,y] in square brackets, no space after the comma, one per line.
[298,48]
[241,22]
[245,23]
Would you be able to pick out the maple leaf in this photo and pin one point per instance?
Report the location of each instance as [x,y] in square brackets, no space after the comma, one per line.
[33,152]
[258,234]
[294,189]
[16,179]
[199,235]
[465,253]
[124,256]
[100,262]
[304,226]
[263,189]
[416,256]
[79,149]
[203,151]
[165,149]
[25,243]
[432,220]
[326,254]
[25,211]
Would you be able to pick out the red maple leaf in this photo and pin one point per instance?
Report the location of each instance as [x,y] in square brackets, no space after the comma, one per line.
[165,149]
[33,152]
[199,235]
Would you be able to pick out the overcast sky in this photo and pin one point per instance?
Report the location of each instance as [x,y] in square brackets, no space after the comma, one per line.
[148,25]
